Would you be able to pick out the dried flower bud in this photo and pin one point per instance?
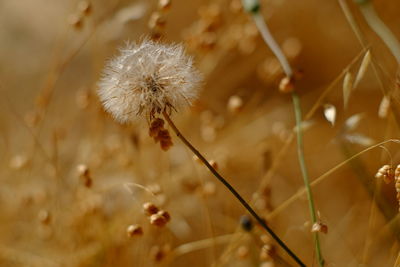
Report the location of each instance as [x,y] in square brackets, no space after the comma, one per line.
[165,139]
[155,126]
[385,173]
[134,230]
[149,208]
[148,78]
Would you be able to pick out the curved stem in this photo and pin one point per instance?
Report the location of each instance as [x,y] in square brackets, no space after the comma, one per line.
[231,189]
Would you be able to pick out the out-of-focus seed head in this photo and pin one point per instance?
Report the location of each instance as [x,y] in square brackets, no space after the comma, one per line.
[158,220]
[134,230]
[165,214]
[149,208]
[385,173]
[148,78]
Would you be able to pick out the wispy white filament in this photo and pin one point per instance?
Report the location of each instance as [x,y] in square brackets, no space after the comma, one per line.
[148,78]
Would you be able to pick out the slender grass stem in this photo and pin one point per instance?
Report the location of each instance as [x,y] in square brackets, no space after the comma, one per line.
[253,7]
[380,28]
[232,190]
[304,172]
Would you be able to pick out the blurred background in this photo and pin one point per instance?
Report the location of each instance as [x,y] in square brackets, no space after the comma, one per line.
[74,182]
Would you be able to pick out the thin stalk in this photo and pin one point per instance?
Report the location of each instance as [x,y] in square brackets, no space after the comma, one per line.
[380,28]
[304,172]
[232,190]
[272,44]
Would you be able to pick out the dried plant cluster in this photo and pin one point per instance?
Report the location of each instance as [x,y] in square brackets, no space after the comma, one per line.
[80,189]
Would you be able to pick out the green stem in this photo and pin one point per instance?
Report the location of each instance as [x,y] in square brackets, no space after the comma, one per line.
[304,172]
[253,7]
[232,190]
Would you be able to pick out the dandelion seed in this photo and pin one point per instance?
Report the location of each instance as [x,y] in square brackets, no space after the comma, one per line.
[148,78]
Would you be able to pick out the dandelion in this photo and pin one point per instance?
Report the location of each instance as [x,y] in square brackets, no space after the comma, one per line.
[148,78]
[153,79]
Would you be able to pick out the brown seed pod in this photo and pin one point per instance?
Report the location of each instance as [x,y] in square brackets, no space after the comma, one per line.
[158,220]
[134,230]
[150,209]
[385,173]
[165,214]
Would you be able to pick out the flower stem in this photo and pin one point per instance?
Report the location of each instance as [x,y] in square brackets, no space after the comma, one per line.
[232,190]
[304,172]
[272,44]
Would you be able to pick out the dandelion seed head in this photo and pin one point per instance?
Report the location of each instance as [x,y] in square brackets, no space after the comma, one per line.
[148,78]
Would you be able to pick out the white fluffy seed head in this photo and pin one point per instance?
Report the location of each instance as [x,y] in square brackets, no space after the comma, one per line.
[148,78]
